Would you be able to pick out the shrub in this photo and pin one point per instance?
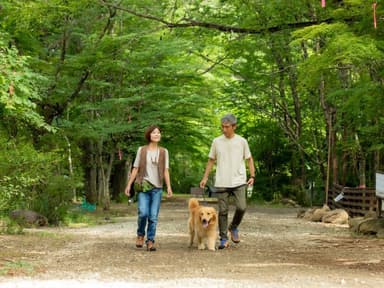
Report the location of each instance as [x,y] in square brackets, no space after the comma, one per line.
[34,180]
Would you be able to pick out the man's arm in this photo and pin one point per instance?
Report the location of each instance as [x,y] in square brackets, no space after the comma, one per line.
[208,169]
[251,168]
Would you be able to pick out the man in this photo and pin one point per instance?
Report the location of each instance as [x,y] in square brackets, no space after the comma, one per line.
[229,151]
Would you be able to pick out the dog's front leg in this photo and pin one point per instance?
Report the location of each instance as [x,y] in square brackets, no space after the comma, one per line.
[191,236]
[200,243]
[211,244]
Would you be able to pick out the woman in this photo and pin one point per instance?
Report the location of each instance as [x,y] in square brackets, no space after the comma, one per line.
[151,166]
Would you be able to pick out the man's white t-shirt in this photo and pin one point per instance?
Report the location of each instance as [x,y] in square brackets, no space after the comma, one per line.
[230,154]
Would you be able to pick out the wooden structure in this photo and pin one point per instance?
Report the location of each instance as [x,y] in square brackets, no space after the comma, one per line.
[356,201]
[379,191]
[202,195]
[197,192]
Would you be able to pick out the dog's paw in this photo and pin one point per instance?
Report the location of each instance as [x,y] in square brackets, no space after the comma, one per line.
[201,247]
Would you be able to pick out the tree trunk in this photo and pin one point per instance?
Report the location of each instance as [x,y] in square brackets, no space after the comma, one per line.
[291,119]
[119,178]
[104,174]
[330,118]
[90,172]
[344,159]
[361,162]
[70,166]
[107,194]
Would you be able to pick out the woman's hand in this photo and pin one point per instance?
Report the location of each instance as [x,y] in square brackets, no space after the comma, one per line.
[169,192]
[127,190]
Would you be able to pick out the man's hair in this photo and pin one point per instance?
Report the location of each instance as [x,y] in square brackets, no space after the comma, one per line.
[229,118]
[148,132]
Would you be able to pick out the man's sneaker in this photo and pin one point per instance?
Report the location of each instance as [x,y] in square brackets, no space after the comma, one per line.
[234,235]
[224,244]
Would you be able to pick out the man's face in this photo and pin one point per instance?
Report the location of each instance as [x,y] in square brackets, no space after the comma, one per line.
[228,129]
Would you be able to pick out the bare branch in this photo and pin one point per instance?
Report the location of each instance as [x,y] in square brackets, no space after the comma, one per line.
[186,23]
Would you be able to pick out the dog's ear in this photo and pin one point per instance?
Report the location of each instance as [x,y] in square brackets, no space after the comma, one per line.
[214,217]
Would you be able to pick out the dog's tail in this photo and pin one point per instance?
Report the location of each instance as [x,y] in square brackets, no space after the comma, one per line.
[193,203]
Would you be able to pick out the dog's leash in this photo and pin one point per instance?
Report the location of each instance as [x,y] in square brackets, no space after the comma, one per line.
[203,194]
[209,190]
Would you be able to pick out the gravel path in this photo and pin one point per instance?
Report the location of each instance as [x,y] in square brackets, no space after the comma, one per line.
[276,250]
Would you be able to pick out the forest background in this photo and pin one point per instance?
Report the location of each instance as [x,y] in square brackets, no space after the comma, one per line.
[81,79]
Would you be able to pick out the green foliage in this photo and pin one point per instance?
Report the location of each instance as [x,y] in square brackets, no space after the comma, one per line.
[101,75]
[30,180]
[9,226]
[53,198]
[19,87]
[20,171]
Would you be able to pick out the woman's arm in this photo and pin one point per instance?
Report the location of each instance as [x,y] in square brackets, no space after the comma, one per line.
[132,178]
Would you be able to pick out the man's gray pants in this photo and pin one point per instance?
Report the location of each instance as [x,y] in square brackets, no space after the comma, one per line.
[223,194]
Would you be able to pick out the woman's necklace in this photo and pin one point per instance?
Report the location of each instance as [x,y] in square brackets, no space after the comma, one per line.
[154,157]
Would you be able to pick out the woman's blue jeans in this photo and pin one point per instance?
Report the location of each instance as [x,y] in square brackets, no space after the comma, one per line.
[148,212]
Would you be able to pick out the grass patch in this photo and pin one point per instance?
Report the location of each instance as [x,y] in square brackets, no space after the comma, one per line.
[16,268]
[10,227]
[44,234]
[78,218]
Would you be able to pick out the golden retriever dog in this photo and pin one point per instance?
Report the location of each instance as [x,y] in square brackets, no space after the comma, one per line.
[202,225]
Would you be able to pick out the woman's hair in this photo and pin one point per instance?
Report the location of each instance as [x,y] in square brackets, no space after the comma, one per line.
[148,132]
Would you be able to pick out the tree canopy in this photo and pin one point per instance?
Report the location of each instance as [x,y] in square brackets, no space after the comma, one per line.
[81,79]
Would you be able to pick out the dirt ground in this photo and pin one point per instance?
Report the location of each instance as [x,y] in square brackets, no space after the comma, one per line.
[277,250]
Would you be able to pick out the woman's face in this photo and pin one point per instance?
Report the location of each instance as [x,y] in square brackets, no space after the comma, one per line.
[155,135]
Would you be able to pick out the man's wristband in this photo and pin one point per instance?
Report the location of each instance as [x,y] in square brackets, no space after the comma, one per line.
[253,177]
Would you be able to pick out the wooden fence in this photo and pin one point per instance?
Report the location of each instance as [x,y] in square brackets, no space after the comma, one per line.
[356,201]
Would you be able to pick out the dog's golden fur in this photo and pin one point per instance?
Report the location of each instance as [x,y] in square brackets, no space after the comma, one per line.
[202,225]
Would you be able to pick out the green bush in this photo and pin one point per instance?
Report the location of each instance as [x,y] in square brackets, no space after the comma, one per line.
[52,198]
[8,226]
[30,179]
[21,169]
